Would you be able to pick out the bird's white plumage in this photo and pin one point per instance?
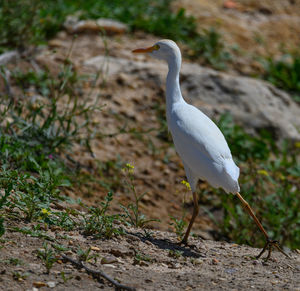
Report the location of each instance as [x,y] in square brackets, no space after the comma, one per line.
[202,147]
[198,141]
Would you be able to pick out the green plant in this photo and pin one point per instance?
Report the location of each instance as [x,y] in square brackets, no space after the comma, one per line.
[47,255]
[285,73]
[85,255]
[175,254]
[139,258]
[179,225]
[13,261]
[19,23]
[23,22]
[34,132]
[132,214]
[19,276]
[64,277]
[35,231]
[210,47]
[97,222]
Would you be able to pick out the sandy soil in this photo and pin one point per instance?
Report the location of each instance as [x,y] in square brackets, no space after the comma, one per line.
[153,262]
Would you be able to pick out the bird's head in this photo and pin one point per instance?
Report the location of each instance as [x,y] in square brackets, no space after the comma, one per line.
[165,49]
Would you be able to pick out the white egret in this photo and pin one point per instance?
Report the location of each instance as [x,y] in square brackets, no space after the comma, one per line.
[198,141]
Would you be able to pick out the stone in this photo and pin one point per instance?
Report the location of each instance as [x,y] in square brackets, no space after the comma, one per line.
[253,103]
[8,57]
[51,284]
[109,26]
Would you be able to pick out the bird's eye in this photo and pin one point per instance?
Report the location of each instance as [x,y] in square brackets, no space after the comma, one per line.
[156,47]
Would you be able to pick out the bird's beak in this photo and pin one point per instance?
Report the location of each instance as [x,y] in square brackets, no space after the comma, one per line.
[144,50]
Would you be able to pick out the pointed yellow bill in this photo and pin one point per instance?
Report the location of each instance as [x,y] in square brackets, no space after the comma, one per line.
[146,50]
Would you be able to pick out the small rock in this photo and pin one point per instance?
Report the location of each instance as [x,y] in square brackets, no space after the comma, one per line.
[197,262]
[39,284]
[8,57]
[51,284]
[214,261]
[121,252]
[230,270]
[110,26]
[96,249]
[109,260]
[131,238]
[174,266]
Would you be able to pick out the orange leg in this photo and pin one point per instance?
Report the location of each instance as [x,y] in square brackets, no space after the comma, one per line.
[195,213]
[269,243]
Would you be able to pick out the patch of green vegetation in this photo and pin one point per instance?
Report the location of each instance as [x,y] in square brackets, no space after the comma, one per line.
[39,125]
[132,213]
[179,224]
[285,73]
[139,258]
[25,22]
[98,223]
[86,255]
[13,261]
[48,256]
[176,254]
[270,182]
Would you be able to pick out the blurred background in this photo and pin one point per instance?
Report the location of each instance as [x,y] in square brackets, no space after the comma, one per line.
[82,117]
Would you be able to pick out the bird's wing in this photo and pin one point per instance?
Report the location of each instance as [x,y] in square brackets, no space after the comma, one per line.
[189,124]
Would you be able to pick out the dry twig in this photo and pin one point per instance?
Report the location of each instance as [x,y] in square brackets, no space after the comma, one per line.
[98,274]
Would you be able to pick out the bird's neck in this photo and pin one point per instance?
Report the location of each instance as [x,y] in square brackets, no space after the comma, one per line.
[173,92]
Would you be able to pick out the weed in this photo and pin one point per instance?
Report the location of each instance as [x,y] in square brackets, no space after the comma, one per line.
[285,73]
[175,254]
[47,255]
[34,131]
[179,225]
[86,256]
[210,47]
[132,211]
[64,277]
[98,223]
[13,261]
[23,23]
[2,228]
[139,258]
[35,232]
[19,276]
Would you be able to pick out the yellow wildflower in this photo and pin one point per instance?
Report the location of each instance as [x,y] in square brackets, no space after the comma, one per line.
[186,184]
[297,144]
[129,166]
[45,211]
[263,173]
[281,176]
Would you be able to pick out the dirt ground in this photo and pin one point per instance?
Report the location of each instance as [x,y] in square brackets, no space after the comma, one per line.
[253,28]
[155,262]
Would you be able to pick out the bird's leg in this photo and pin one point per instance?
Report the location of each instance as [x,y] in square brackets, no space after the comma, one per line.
[269,243]
[195,213]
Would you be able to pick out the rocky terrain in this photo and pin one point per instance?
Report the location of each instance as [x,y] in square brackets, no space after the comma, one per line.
[131,90]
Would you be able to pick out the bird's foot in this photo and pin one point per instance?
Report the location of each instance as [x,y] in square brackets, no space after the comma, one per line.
[270,244]
[183,242]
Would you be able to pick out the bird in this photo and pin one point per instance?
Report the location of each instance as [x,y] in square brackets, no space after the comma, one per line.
[198,141]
